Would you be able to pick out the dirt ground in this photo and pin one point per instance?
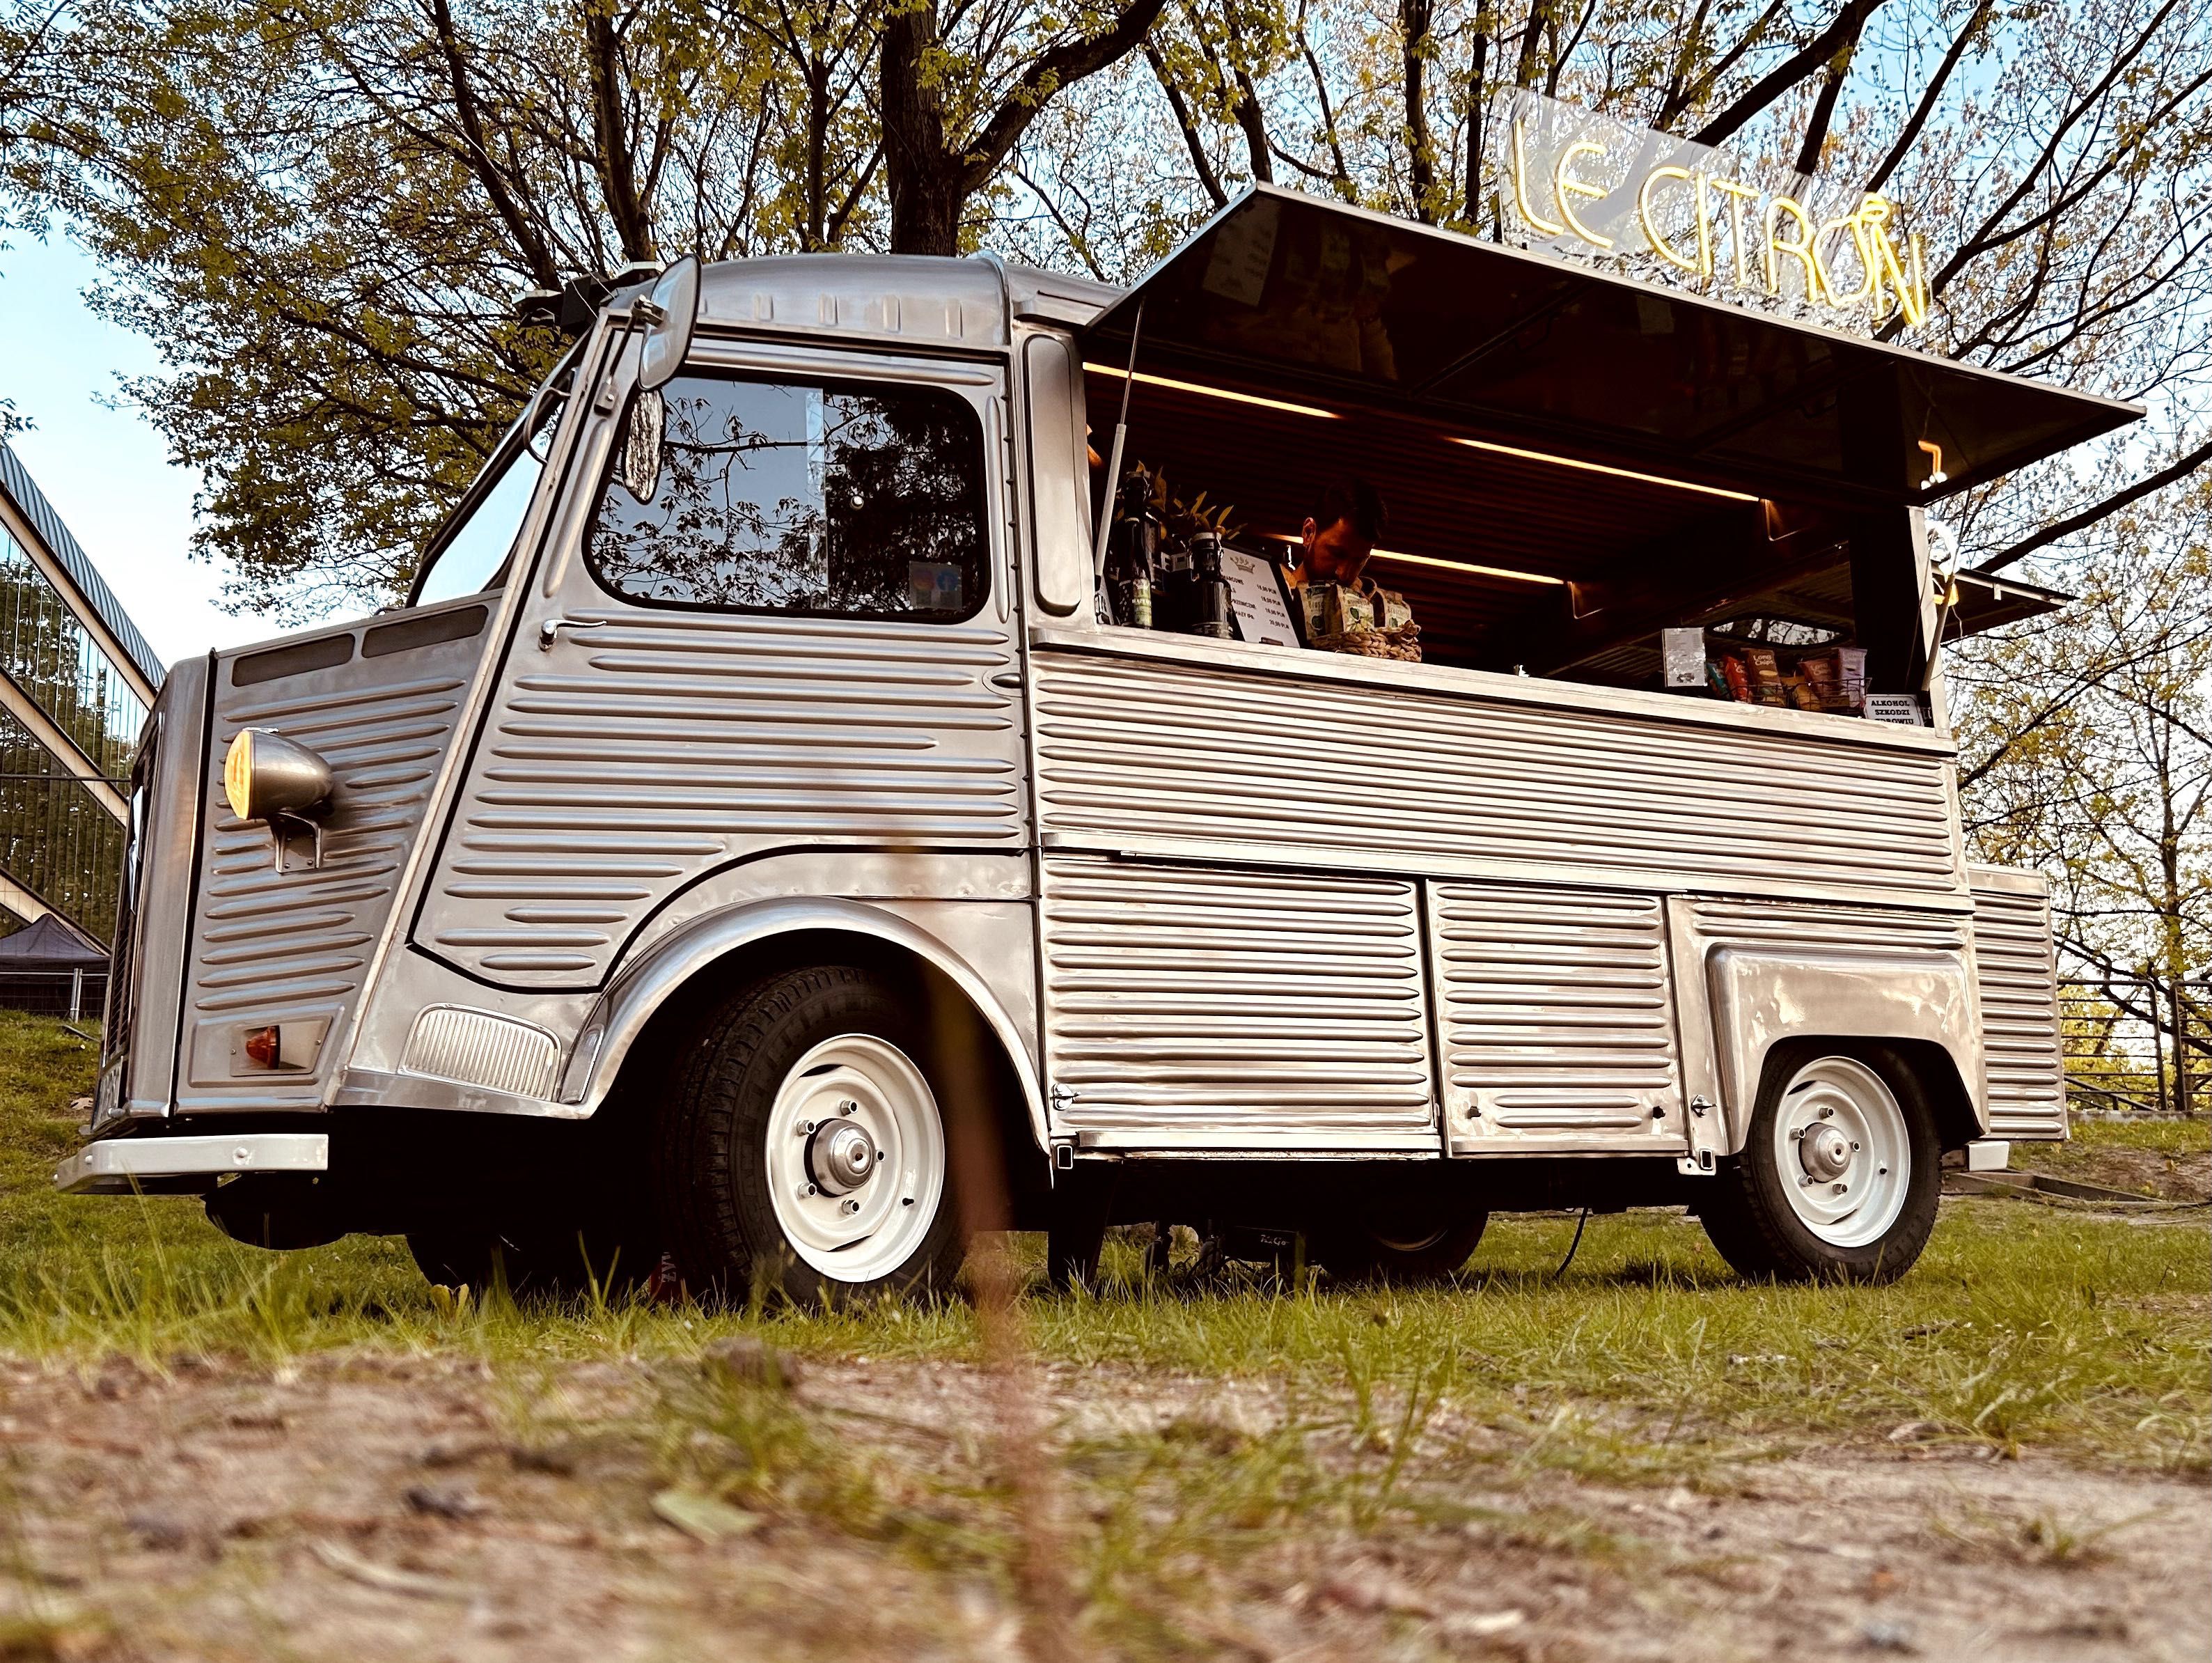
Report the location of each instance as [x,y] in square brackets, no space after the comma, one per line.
[2170,1175]
[358,1507]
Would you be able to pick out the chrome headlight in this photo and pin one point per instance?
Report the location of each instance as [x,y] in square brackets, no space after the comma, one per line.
[266,775]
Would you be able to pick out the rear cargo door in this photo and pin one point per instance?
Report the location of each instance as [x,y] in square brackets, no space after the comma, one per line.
[1555,1026]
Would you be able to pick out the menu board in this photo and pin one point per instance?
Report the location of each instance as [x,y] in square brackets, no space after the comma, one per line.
[1256,594]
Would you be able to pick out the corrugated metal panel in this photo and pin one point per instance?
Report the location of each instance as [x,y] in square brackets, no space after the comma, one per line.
[1749,924]
[271,946]
[1152,747]
[2023,1054]
[1553,1007]
[626,763]
[1206,1001]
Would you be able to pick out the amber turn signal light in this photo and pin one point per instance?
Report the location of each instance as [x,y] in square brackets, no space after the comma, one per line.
[264,1047]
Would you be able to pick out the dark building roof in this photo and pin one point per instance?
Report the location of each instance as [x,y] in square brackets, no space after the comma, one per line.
[51,943]
[31,502]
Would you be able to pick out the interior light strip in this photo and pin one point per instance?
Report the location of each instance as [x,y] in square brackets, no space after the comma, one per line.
[1469,566]
[1600,467]
[1212,391]
[1451,565]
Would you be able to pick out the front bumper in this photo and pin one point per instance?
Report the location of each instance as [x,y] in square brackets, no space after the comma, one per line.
[186,1166]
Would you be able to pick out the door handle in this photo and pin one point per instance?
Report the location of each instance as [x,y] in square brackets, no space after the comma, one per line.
[553,627]
[1009,679]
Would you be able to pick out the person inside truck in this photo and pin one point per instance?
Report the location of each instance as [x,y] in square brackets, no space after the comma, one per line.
[1343,609]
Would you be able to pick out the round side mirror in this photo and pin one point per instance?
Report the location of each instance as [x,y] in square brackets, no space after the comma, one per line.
[674,303]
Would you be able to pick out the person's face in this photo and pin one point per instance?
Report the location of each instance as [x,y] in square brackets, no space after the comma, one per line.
[1334,553]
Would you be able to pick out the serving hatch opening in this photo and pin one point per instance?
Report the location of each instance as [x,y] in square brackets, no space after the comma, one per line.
[1571,461]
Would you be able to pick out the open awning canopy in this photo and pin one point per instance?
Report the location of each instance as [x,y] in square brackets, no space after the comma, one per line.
[1290,297]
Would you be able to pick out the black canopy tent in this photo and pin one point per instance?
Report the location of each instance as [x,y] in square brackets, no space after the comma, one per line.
[53,967]
[1572,458]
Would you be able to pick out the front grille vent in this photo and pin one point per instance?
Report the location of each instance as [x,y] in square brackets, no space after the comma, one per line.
[478,1048]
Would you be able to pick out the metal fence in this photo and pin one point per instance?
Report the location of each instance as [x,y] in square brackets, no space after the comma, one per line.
[75,995]
[2137,1044]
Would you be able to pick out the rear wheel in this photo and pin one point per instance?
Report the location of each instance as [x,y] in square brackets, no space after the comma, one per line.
[1407,1240]
[805,1148]
[1839,1175]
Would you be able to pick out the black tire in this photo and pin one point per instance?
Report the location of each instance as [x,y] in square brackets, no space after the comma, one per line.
[1408,1240]
[544,1257]
[1748,1213]
[710,1158]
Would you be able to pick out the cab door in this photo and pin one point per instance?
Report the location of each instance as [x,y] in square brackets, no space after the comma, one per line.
[772,614]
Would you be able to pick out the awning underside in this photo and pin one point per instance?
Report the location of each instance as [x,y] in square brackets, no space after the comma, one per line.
[1309,300]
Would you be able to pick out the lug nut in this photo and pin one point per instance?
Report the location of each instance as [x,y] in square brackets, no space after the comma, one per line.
[1828,1114]
[807,1131]
[852,1206]
[1840,1188]
[849,1107]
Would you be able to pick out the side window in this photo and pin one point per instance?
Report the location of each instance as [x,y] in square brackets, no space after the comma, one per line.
[471,555]
[822,499]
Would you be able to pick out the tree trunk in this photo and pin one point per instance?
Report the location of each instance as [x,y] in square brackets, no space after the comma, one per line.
[918,170]
[1420,150]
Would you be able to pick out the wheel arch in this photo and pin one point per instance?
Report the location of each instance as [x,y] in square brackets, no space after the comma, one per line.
[1920,1009]
[705,959]
[1920,1065]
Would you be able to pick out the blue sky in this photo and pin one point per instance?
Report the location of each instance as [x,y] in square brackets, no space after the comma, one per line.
[98,460]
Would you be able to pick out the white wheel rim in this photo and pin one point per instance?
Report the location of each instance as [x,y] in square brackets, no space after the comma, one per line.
[871,1226]
[1843,1151]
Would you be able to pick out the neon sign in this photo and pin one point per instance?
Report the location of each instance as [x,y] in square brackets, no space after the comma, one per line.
[1590,188]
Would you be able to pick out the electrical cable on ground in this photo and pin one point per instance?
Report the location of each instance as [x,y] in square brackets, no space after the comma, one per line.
[1572,1246]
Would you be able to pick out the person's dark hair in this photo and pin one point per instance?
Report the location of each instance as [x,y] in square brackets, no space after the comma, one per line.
[1352,498]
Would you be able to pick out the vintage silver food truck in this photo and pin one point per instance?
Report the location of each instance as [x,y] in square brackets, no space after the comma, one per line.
[764,838]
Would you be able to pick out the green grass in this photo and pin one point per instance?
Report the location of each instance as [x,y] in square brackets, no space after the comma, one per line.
[2022,1329]
[2177,1136]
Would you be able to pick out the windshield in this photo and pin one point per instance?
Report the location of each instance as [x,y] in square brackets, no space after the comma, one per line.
[468,554]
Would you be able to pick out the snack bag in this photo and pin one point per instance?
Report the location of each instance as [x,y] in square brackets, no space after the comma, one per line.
[1766,675]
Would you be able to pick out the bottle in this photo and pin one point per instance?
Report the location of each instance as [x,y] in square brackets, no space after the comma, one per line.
[1211,588]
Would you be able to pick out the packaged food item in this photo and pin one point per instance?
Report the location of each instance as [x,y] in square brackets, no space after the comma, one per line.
[1716,679]
[1801,692]
[1766,674]
[1738,680]
[1377,624]
[1682,658]
[1851,676]
[1838,675]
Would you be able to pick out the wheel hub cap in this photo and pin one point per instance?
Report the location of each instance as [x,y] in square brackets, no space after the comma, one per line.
[1842,1151]
[854,1157]
[840,1157]
[1826,1154]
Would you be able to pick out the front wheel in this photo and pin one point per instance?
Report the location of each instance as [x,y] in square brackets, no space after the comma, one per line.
[806,1147]
[1839,1174]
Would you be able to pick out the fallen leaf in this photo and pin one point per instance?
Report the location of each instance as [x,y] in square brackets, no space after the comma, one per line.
[703,1518]
[351,1566]
[1475,1625]
[454,1504]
